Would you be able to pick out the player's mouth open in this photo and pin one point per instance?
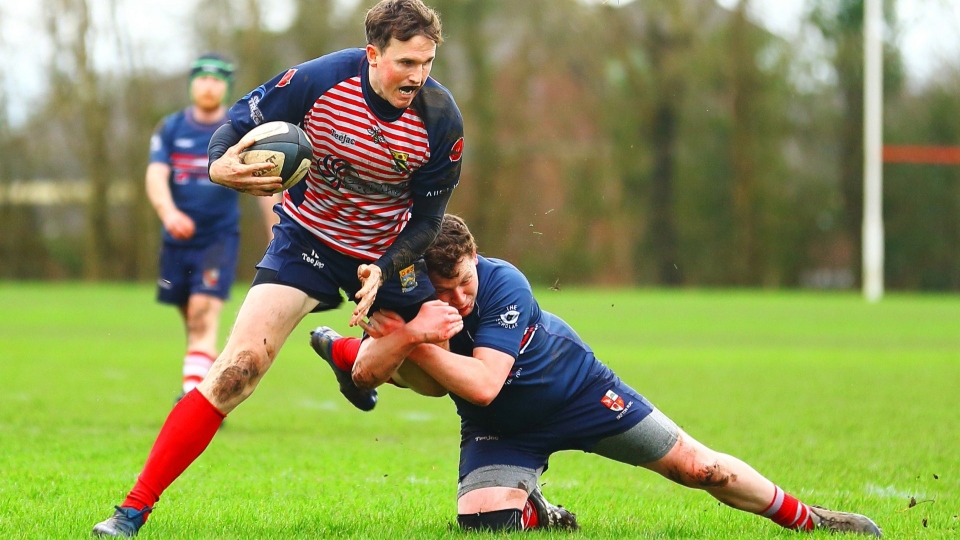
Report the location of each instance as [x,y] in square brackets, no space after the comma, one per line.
[465,309]
[408,91]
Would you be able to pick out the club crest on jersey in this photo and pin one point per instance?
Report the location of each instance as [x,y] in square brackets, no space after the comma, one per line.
[408,279]
[612,401]
[456,152]
[509,319]
[211,277]
[376,135]
[287,77]
[400,161]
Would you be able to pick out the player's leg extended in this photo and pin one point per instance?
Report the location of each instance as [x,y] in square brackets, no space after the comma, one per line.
[268,315]
[656,443]
[201,318]
[738,485]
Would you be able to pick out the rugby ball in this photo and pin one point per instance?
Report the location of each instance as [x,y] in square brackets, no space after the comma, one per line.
[283,144]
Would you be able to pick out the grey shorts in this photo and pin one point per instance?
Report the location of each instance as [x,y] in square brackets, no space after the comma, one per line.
[649,440]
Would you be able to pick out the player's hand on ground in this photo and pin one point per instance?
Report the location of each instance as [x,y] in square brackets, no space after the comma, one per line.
[179,225]
[229,171]
[381,323]
[436,322]
[370,279]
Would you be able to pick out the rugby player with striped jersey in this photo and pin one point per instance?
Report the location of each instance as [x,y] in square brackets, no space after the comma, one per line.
[387,147]
[201,220]
[526,386]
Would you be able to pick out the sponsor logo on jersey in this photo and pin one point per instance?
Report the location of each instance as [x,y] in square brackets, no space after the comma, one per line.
[339,173]
[509,319]
[456,152]
[612,401]
[342,137]
[625,409]
[211,277]
[312,259]
[486,438]
[400,161]
[253,103]
[287,77]
[408,279]
[183,143]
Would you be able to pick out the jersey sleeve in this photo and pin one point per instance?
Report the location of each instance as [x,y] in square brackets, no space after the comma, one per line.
[162,141]
[505,313]
[445,132]
[290,95]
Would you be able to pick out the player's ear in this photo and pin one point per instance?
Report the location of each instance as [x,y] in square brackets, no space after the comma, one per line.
[474,256]
[373,54]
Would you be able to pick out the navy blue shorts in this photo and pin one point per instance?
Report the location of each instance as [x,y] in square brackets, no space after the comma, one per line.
[298,259]
[185,271]
[606,407]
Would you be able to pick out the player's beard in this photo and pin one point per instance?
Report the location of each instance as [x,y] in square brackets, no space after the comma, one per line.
[208,103]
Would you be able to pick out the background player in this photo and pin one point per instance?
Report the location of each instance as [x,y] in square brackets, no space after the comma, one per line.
[201,220]
[526,386]
[387,146]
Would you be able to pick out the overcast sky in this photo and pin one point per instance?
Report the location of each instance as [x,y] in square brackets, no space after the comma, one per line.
[930,37]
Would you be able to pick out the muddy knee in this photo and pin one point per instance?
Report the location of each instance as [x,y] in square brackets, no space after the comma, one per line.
[238,379]
[702,475]
[711,475]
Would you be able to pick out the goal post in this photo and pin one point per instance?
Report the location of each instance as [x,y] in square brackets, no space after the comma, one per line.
[872,248]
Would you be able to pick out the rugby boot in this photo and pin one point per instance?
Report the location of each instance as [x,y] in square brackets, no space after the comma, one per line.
[321,339]
[124,523]
[844,522]
[551,516]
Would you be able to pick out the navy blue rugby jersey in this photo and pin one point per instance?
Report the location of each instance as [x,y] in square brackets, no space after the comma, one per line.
[552,363]
[369,158]
[181,142]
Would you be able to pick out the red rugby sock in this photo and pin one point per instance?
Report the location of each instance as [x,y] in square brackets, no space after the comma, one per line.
[788,512]
[188,430]
[345,352]
[529,519]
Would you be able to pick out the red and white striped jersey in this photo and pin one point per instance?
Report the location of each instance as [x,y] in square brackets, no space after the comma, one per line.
[369,159]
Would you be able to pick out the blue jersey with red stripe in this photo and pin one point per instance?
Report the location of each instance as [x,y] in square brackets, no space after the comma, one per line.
[369,158]
[180,141]
[553,365]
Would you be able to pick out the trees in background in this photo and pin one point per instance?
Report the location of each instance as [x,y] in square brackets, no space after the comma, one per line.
[659,142]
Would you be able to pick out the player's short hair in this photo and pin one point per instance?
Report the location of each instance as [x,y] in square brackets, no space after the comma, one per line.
[453,243]
[403,20]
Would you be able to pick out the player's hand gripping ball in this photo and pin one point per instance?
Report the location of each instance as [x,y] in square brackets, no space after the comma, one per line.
[283,144]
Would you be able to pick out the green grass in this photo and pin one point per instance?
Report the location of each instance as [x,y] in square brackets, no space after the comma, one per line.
[845,404]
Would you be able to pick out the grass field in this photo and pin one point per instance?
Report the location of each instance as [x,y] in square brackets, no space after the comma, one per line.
[845,404]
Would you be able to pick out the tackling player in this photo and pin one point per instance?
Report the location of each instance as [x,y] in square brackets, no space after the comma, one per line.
[201,220]
[387,144]
[526,386]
